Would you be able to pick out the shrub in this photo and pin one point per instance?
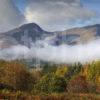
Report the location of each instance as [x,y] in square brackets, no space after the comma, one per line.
[44,83]
[91,88]
[48,68]
[58,84]
[62,71]
[74,69]
[78,85]
[37,74]
[17,76]
[93,72]
[51,83]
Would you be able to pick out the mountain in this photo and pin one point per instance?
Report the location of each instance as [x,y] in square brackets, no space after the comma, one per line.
[31,33]
[78,35]
[24,35]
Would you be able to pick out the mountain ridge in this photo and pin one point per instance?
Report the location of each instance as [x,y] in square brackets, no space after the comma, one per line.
[31,32]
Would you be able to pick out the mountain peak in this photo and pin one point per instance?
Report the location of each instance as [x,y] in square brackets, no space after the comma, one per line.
[31,33]
[31,26]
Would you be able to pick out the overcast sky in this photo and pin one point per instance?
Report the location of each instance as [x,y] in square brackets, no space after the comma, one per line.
[51,15]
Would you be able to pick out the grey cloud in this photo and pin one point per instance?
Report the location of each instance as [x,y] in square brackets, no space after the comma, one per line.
[53,14]
[67,1]
[10,16]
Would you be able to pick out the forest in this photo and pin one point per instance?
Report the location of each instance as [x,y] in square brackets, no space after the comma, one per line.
[49,82]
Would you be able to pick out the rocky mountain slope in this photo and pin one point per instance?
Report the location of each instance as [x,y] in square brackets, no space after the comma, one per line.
[31,33]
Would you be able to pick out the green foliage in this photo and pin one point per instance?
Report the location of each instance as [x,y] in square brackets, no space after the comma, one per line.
[48,68]
[93,72]
[44,83]
[58,84]
[51,83]
[74,70]
[53,78]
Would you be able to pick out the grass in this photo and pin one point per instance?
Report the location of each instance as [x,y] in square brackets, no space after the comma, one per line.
[63,96]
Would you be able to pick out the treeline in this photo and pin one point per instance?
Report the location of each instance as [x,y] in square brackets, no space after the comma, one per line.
[51,78]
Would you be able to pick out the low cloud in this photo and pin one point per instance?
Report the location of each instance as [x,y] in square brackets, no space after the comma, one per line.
[58,54]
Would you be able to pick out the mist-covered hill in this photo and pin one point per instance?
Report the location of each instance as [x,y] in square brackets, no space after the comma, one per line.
[32,33]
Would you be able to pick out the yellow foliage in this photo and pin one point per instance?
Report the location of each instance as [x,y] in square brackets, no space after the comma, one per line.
[62,71]
[98,80]
[85,71]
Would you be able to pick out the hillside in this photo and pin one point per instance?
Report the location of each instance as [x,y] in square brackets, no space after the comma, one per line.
[31,33]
